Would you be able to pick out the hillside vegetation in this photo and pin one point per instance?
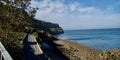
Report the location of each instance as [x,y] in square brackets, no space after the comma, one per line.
[16,22]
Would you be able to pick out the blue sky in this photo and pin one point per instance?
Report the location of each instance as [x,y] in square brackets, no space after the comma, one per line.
[80,14]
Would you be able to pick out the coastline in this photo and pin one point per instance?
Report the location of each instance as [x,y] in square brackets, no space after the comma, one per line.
[101,39]
[75,51]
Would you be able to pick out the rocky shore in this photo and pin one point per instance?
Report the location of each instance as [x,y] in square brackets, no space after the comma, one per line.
[75,51]
[66,50]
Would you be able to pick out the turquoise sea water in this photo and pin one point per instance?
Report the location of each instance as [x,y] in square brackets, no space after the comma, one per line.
[102,39]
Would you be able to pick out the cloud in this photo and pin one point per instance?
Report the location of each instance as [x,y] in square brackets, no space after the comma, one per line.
[58,9]
[73,6]
[49,9]
[89,10]
[73,15]
[91,21]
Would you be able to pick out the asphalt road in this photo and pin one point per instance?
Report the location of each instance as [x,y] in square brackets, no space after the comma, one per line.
[32,49]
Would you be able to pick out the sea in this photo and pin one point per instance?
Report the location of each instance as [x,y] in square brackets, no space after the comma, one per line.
[101,39]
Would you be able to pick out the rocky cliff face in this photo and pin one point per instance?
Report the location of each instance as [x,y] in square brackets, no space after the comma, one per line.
[52,28]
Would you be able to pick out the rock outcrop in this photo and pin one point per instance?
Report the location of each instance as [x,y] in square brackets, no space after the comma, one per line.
[52,28]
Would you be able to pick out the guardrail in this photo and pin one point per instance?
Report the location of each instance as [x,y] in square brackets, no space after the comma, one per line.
[4,55]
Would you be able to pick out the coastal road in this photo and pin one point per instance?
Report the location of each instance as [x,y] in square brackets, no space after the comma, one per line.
[32,49]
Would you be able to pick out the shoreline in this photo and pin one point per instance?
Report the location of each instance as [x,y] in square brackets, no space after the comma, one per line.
[76,51]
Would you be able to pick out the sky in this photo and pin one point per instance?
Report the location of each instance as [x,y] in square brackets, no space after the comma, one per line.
[79,14]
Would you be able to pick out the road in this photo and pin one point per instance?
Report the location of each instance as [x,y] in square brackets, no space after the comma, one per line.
[32,49]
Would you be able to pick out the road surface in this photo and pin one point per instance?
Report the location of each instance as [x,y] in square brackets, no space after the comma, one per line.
[32,50]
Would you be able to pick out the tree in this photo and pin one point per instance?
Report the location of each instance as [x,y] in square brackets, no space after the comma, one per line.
[23,4]
[11,21]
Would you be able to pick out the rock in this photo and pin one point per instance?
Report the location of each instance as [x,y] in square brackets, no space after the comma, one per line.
[52,28]
[75,51]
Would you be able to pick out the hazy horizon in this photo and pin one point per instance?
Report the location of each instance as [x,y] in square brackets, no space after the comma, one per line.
[80,14]
[92,29]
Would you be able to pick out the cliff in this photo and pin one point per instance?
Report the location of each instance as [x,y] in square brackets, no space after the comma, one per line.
[52,28]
